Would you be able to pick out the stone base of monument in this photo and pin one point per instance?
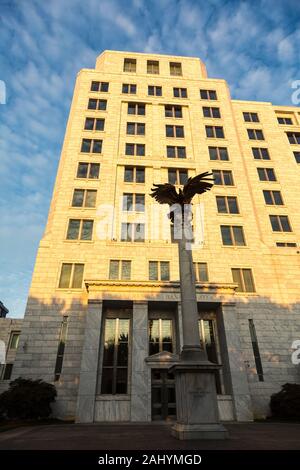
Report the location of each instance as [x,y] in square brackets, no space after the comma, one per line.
[196,401]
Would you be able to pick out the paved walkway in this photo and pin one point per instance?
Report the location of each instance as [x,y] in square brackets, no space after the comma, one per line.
[273,436]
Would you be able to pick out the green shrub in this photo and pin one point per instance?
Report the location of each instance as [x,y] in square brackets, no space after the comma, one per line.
[27,399]
[286,403]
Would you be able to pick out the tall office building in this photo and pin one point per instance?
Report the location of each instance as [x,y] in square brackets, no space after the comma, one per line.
[103,319]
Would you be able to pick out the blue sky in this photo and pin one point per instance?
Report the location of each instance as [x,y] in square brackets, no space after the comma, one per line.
[254,45]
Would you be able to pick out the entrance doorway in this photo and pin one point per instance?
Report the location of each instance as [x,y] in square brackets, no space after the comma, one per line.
[163,395]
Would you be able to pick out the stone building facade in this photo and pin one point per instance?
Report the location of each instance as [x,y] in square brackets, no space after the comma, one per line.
[10,329]
[103,319]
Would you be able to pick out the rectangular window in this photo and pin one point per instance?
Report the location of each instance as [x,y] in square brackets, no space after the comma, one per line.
[61,348]
[208,95]
[216,132]
[7,371]
[133,202]
[273,198]
[159,270]
[209,112]
[280,223]
[88,170]
[153,66]
[136,108]
[250,117]
[135,149]
[71,276]
[97,105]
[134,174]
[244,279]
[129,65]
[135,128]
[223,177]
[175,68]
[256,352]
[177,176]
[84,198]
[294,137]
[160,335]
[100,86]
[176,152]
[266,174]
[120,269]
[285,120]
[232,235]
[115,356]
[91,146]
[173,111]
[79,229]
[180,92]
[260,153]
[297,156]
[154,90]
[255,134]
[227,205]
[200,272]
[14,340]
[94,124]
[132,232]
[286,244]
[174,131]
[218,153]
[129,88]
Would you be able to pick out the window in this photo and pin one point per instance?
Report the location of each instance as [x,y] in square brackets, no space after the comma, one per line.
[7,371]
[154,90]
[129,88]
[174,131]
[232,235]
[129,65]
[180,92]
[135,149]
[14,340]
[79,229]
[135,128]
[177,176]
[133,202]
[250,117]
[173,111]
[137,108]
[297,156]
[266,174]
[84,198]
[218,153]
[71,276]
[244,279]
[153,66]
[227,205]
[260,153]
[99,105]
[94,124]
[100,86]
[91,145]
[119,269]
[159,270]
[160,335]
[134,174]
[280,223]
[208,334]
[216,132]
[273,198]
[209,112]
[256,352]
[88,170]
[200,272]
[115,356]
[285,120]
[176,152]
[132,232]
[175,68]
[223,177]
[61,348]
[286,244]
[294,137]
[255,134]
[208,95]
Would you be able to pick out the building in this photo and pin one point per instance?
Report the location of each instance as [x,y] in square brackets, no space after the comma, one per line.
[103,319]
[3,310]
[10,329]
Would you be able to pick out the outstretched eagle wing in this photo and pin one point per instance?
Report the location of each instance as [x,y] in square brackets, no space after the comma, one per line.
[197,185]
[165,193]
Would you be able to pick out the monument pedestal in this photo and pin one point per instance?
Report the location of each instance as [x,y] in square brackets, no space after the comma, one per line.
[196,401]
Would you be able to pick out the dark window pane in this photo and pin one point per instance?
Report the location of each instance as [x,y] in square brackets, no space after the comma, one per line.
[95,86]
[102,105]
[261,174]
[228,179]
[221,204]
[219,132]
[140,129]
[216,113]
[129,150]
[206,112]
[268,197]
[213,154]
[265,154]
[181,152]
[248,280]
[203,94]
[212,95]
[140,175]
[140,150]
[82,170]
[251,134]
[226,235]
[90,200]
[107,380]
[73,229]
[169,131]
[141,109]
[209,131]
[128,174]
[183,93]
[131,108]
[217,177]
[168,111]
[127,202]
[125,88]
[275,223]
[183,177]
[179,131]
[97,146]
[158,91]
[87,229]
[92,103]
[86,145]
[238,234]
[77,276]
[140,202]
[130,128]
[150,90]
[285,223]
[89,124]
[256,153]
[94,170]
[172,178]
[277,198]
[176,92]
[171,151]
[271,174]
[178,111]
[65,275]
[121,381]
[164,270]
[223,153]
[78,197]
[232,205]
[259,135]
[104,86]
[153,270]
[122,357]
[99,125]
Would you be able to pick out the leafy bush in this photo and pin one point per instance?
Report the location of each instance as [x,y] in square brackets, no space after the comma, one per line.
[286,403]
[27,399]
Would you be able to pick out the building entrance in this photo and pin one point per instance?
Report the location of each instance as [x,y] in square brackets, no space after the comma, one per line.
[163,395]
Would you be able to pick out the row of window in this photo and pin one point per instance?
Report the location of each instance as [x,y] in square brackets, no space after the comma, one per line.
[129,65]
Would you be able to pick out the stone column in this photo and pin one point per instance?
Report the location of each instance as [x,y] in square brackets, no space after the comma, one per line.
[89,364]
[139,352]
[240,387]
